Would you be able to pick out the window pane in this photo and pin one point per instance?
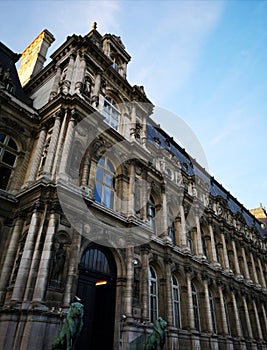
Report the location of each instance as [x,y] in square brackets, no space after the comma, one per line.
[12,144]
[4,176]
[9,158]
[97,192]
[99,175]
[2,138]
[108,198]
[109,180]
[101,162]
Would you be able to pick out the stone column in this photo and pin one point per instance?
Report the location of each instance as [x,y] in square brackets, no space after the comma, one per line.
[72,277]
[261,274]
[42,277]
[247,276]
[67,146]
[67,81]
[223,312]
[199,237]
[96,89]
[25,263]
[256,280]
[144,196]
[145,287]
[80,75]
[212,245]
[129,282]
[133,122]
[60,143]
[163,225]
[169,296]
[247,317]
[183,239]
[36,257]
[207,306]
[85,169]
[257,320]
[264,317]
[53,144]
[10,257]
[190,308]
[225,254]
[237,268]
[236,315]
[37,155]
[55,85]
[131,204]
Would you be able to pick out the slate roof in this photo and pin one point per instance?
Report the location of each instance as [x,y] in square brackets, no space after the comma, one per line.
[7,60]
[161,139]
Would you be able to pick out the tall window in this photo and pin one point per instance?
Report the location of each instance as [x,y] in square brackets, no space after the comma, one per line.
[213,314]
[176,303]
[153,295]
[8,155]
[104,190]
[171,229]
[195,307]
[111,113]
[151,212]
[189,241]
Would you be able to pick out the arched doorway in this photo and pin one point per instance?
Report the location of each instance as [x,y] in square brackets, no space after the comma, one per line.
[97,289]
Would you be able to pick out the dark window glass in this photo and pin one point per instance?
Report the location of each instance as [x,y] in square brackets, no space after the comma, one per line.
[104,191]
[7,159]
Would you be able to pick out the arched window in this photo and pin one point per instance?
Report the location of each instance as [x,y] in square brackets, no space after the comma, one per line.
[111,113]
[8,155]
[196,307]
[213,314]
[104,189]
[153,295]
[176,303]
[151,212]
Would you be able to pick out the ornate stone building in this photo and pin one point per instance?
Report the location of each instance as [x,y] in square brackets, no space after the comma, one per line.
[99,203]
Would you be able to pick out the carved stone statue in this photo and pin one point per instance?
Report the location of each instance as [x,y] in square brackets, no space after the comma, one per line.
[71,329]
[59,258]
[156,340]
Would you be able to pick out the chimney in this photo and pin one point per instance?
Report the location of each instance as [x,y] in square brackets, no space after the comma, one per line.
[34,56]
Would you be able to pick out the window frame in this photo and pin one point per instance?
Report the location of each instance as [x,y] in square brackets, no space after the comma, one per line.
[153,296]
[105,189]
[195,303]
[6,149]
[151,212]
[109,110]
[176,303]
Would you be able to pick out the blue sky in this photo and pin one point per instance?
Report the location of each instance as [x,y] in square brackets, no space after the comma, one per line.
[205,61]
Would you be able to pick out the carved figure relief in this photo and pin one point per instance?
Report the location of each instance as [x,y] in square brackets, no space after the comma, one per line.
[58,263]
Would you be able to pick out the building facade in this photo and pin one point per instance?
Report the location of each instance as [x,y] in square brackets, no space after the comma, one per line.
[99,203]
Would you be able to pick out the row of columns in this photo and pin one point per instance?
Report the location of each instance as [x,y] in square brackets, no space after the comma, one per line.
[60,145]
[33,272]
[205,309]
[221,251]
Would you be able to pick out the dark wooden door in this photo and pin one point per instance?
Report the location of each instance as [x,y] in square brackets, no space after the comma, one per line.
[97,291]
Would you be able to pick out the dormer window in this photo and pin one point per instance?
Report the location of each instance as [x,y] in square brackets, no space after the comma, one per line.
[111,113]
[115,66]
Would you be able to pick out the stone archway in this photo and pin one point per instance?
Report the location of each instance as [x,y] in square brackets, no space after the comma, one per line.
[97,291]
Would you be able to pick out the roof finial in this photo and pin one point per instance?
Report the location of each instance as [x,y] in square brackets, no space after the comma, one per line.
[94,26]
